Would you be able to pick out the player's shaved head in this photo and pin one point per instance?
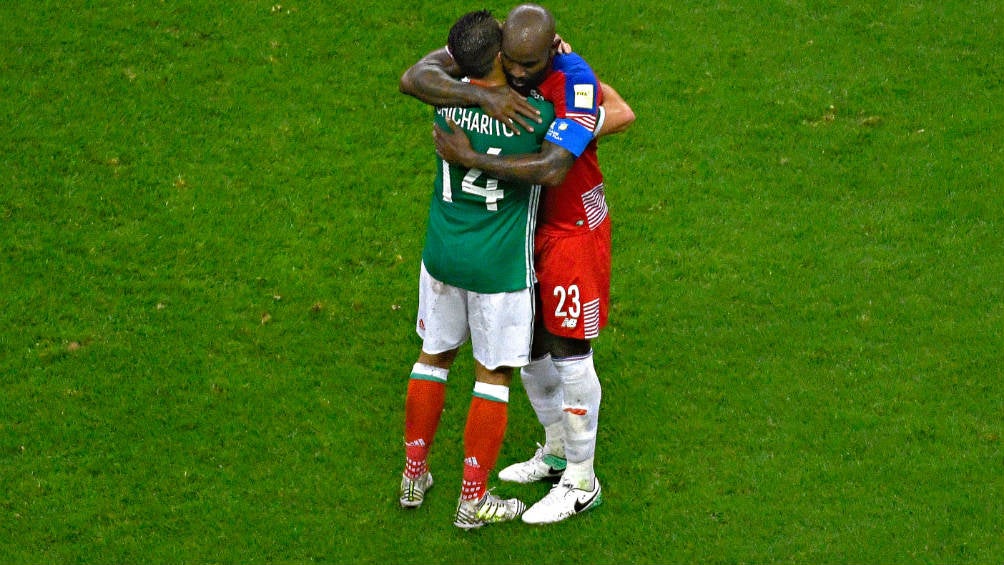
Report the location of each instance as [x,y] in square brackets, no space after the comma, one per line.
[531,26]
[528,46]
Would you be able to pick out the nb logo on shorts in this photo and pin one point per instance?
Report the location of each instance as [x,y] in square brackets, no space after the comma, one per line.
[570,323]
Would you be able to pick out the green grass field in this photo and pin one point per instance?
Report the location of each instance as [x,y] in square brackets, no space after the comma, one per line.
[211,219]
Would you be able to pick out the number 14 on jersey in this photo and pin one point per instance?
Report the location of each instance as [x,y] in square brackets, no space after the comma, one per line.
[490,192]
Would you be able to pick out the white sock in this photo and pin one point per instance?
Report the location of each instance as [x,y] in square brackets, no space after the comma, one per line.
[580,415]
[543,387]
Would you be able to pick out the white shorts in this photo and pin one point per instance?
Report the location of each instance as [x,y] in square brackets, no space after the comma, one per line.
[500,325]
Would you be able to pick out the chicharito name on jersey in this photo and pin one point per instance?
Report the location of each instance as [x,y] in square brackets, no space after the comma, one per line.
[472,120]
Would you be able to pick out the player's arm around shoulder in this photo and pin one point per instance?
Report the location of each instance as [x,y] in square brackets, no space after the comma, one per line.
[618,115]
[433,80]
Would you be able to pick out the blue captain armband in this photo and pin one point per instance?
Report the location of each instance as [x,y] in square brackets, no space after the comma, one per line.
[569,134]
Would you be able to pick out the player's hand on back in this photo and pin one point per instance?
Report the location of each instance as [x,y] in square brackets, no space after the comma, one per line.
[510,107]
[452,145]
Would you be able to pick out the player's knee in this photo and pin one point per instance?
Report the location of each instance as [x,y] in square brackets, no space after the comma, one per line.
[497,376]
[443,360]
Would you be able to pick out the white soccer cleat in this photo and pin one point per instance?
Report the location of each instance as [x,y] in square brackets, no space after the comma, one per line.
[541,467]
[490,509]
[413,490]
[562,502]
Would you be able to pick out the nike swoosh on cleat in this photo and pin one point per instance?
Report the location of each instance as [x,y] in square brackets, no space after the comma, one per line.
[580,506]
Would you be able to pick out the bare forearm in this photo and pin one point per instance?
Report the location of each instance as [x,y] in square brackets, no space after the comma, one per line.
[433,81]
[548,169]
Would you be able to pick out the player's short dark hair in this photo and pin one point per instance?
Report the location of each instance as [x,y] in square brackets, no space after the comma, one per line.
[474,42]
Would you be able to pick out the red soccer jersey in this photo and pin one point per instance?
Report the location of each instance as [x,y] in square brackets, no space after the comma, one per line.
[577,204]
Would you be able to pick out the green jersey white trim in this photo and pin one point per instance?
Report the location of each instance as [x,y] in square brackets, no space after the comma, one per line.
[480,229]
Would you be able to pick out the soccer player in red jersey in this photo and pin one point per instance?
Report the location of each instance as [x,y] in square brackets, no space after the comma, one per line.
[572,245]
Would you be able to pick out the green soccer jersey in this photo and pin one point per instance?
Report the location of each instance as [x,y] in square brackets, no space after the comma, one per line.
[480,231]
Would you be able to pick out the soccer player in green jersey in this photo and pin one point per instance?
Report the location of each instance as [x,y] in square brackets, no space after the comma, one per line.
[572,243]
[475,283]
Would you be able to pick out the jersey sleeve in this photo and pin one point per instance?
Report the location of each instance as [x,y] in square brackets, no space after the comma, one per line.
[575,92]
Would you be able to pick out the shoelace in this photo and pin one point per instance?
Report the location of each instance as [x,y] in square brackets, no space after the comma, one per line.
[540,452]
[558,491]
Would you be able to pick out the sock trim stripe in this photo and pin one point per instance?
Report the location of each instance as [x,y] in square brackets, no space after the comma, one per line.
[432,378]
[429,373]
[497,393]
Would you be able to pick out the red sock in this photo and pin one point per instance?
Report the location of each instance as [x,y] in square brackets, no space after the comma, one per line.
[486,424]
[422,410]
